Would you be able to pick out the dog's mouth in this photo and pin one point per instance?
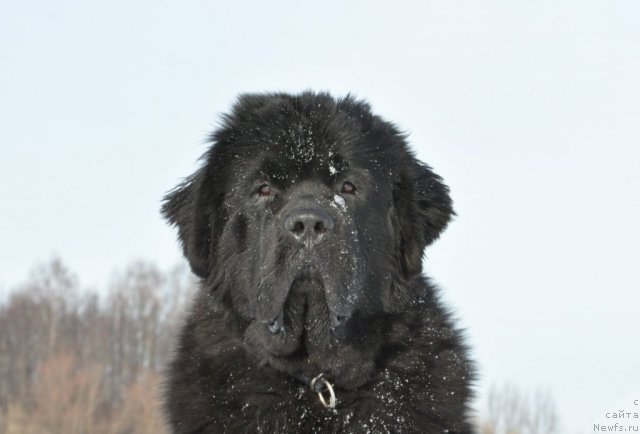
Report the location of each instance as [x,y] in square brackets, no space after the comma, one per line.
[306,308]
[305,321]
[305,302]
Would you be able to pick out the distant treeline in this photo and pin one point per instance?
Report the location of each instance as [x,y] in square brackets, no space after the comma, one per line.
[75,362]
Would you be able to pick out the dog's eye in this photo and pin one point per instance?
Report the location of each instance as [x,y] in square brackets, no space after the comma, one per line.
[264,190]
[348,188]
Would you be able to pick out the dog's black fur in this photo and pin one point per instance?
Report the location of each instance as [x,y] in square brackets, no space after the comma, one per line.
[306,224]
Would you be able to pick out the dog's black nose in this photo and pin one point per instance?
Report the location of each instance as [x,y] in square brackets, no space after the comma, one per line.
[308,225]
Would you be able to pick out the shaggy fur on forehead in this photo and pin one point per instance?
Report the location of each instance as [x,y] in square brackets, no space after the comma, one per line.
[350,302]
[305,128]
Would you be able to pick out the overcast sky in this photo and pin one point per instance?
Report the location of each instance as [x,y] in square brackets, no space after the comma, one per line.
[529,110]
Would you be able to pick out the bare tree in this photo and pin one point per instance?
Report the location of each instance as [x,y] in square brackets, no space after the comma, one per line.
[141,413]
[66,398]
[35,320]
[510,411]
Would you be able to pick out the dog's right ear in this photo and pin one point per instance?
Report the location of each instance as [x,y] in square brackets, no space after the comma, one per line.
[191,208]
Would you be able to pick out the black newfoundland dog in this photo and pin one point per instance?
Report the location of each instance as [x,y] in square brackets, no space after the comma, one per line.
[306,224]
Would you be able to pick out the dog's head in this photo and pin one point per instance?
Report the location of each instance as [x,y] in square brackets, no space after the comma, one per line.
[308,216]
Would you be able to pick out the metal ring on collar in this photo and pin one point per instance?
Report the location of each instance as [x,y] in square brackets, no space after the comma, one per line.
[328,386]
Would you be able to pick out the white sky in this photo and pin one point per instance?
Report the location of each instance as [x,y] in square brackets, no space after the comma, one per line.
[530,111]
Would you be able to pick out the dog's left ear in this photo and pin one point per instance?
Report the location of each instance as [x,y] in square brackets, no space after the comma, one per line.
[423,208]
